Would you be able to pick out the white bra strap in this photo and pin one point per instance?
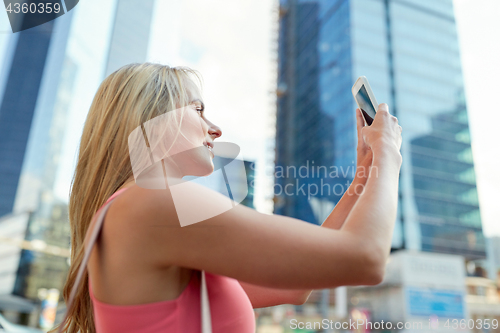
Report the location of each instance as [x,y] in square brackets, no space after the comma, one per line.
[83,266]
[206,320]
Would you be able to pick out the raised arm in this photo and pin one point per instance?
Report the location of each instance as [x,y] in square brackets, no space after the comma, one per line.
[378,202]
[271,250]
[262,296]
[265,297]
[364,160]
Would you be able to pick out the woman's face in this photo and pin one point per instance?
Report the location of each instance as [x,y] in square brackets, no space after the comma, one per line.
[192,148]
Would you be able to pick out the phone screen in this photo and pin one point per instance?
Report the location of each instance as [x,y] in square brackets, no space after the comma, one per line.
[365,104]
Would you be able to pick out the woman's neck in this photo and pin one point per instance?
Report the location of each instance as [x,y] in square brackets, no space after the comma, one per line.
[173,174]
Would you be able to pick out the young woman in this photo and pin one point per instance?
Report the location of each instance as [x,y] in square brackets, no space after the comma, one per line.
[144,270]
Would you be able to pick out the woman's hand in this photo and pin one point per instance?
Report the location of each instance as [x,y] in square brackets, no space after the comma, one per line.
[364,153]
[384,134]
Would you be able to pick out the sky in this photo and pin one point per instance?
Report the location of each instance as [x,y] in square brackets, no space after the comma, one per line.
[479,35]
[229,43]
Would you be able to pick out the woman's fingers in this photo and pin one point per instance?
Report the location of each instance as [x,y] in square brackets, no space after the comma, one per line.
[383,107]
[360,124]
[385,126]
[360,121]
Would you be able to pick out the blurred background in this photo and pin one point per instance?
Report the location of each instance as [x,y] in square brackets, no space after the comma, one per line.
[277,80]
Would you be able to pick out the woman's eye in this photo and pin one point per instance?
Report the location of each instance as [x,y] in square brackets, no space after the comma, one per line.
[199,109]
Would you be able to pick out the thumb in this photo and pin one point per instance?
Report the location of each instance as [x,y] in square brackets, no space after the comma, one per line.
[384,107]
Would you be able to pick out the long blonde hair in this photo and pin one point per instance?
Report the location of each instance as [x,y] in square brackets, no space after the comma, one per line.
[127,98]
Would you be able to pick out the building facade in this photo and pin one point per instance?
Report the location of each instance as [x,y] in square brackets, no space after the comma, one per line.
[409,52]
[130,37]
[421,291]
[31,68]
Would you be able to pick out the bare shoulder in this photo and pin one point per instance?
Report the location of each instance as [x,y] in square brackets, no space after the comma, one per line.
[182,204]
[150,221]
[157,223]
[138,207]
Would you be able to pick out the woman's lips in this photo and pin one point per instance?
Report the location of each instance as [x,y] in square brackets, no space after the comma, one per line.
[209,146]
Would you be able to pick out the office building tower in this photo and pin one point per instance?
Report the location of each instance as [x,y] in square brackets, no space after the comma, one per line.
[130,33]
[233,178]
[31,68]
[409,52]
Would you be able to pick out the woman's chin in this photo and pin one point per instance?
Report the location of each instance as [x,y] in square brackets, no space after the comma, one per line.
[208,168]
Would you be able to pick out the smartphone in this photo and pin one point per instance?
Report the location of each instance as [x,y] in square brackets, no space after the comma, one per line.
[365,99]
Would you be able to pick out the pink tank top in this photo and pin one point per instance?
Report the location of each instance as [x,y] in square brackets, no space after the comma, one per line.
[230,307]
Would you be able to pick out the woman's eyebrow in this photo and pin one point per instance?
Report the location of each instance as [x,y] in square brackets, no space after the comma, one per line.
[202,104]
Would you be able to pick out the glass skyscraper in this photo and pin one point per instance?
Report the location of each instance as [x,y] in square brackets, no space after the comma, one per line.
[130,36]
[26,108]
[409,52]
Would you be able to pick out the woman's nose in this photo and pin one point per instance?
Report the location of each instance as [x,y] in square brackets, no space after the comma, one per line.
[214,131]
